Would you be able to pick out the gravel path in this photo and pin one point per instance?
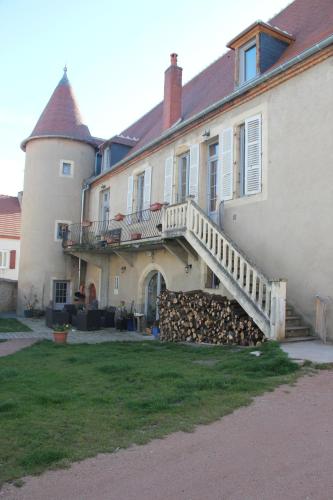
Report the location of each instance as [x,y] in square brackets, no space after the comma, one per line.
[280,447]
[11,346]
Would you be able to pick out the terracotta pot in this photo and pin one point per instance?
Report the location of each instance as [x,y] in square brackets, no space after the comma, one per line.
[136,236]
[119,217]
[155,207]
[60,337]
[86,223]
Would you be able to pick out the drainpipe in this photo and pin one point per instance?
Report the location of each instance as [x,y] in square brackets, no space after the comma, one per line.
[85,187]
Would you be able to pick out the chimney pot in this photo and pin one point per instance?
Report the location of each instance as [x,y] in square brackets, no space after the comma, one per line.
[173,58]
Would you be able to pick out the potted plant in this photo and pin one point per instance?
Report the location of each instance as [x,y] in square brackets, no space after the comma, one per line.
[60,333]
[135,236]
[30,303]
[154,207]
[119,217]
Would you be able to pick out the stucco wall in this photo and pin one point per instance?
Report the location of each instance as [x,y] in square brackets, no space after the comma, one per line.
[287,228]
[8,295]
[49,197]
[10,244]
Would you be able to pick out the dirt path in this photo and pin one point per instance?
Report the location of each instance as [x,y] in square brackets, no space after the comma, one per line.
[280,447]
[11,346]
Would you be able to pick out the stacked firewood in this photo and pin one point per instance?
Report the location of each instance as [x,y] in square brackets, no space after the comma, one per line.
[197,316]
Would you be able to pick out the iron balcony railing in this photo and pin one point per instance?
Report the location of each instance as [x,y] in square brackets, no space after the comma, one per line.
[141,225]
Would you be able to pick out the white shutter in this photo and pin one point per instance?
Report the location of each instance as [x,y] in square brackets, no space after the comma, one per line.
[130,194]
[147,188]
[227,163]
[194,172]
[253,155]
[168,180]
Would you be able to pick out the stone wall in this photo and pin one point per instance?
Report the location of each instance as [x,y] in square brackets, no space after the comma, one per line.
[8,295]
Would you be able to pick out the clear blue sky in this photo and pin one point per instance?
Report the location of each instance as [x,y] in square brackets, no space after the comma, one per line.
[116,54]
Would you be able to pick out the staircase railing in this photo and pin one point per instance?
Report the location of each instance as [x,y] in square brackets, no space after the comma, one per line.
[263,299]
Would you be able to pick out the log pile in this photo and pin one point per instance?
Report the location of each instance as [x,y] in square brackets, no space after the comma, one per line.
[202,317]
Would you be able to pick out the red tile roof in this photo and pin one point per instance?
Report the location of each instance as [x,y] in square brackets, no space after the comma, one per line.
[10,217]
[61,116]
[309,21]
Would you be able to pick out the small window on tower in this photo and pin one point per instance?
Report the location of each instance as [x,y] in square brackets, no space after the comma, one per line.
[66,168]
[61,229]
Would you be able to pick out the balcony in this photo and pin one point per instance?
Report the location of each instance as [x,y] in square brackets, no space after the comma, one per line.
[144,227]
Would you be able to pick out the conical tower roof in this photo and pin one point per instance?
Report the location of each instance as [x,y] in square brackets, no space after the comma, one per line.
[61,117]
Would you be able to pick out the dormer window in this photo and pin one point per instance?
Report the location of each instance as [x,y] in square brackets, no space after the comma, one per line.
[257,49]
[248,62]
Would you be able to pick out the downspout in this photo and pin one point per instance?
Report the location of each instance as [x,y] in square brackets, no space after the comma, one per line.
[85,187]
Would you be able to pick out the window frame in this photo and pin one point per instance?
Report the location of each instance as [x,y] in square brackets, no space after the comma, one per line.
[56,233]
[210,160]
[106,161]
[61,171]
[242,61]
[5,253]
[180,158]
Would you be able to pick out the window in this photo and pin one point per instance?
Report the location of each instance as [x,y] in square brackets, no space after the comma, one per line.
[106,158]
[212,281]
[4,259]
[212,177]
[241,153]
[116,282]
[61,229]
[60,292]
[247,62]
[183,177]
[105,204]
[66,168]
[140,192]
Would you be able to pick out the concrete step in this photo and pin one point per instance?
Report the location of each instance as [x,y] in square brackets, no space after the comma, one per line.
[307,338]
[293,320]
[297,331]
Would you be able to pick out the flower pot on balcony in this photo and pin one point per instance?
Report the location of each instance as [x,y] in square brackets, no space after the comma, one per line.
[155,207]
[86,223]
[135,236]
[119,217]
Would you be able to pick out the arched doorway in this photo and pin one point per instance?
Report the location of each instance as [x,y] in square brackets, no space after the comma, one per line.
[91,293]
[155,284]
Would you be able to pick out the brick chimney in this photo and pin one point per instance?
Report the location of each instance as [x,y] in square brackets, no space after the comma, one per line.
[172,106]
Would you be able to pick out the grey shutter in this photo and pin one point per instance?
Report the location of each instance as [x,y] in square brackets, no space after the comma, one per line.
[194,172]
[168,180]
[253,155]
[227,164]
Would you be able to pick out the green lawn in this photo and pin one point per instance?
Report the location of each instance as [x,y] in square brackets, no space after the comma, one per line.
[12,325]
[65,403]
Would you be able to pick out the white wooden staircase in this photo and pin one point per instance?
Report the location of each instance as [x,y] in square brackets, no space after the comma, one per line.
[263,299]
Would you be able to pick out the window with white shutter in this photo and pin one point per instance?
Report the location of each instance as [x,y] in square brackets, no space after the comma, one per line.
[147,189]
[168,180]
[194,172]
[227,161]
[253,155]
[130,194]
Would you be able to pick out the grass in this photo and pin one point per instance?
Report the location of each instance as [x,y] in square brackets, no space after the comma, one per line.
[12,325]
[65,403]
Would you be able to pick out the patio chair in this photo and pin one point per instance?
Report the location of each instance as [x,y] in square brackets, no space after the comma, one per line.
[55,317]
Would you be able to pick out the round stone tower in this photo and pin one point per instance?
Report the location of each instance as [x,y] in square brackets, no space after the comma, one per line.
[60,154]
